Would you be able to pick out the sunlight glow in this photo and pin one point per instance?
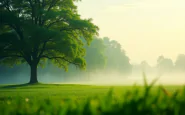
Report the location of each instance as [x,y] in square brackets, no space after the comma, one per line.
[145,28]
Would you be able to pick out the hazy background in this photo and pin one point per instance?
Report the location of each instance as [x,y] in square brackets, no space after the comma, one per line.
[145,28]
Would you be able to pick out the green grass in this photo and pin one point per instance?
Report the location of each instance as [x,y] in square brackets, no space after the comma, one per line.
[71,99]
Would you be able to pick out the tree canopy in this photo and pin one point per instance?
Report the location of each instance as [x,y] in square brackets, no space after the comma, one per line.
[180,62]
[95,55]
[117,59]
[33,31]
[164,64]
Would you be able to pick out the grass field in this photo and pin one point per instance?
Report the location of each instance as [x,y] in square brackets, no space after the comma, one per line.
[71,99]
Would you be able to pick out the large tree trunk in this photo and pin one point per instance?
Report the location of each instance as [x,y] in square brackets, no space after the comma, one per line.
[33,77]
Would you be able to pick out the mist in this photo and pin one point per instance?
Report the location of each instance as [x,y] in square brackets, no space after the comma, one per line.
[107,63]
[96,78]
[116,79]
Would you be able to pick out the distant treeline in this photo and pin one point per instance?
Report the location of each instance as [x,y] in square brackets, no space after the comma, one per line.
[164,65]
[102,55]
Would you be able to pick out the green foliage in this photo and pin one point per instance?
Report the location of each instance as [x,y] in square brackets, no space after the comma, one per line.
[88,100]
[35,30]
[95,55]
[116,57]
[164,65]
[180,62]
[101,56]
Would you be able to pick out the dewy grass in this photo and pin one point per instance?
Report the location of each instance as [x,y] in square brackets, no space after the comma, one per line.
[131,102]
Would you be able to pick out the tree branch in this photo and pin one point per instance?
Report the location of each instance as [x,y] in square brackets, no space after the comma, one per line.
[42,50]
[53,2]
[49,25]
[57,61]
[32,10]
[62,58]
[44,47]
[8,56]
[7,6]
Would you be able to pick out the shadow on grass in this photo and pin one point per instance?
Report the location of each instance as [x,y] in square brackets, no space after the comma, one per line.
[39,85]
[18,85]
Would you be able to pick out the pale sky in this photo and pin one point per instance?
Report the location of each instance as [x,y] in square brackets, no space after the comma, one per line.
[146,29]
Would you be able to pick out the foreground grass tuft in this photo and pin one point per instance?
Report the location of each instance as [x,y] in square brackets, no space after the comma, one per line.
[137,100]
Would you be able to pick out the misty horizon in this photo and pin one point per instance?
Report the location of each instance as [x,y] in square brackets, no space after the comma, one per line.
[145,28]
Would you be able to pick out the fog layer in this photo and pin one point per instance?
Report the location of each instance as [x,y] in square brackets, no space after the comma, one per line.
[116,79]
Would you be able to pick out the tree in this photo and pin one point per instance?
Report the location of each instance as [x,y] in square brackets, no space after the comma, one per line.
[33,31]
[116,57]
[95,56]
[145,66]
[180,62]
[164,64]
